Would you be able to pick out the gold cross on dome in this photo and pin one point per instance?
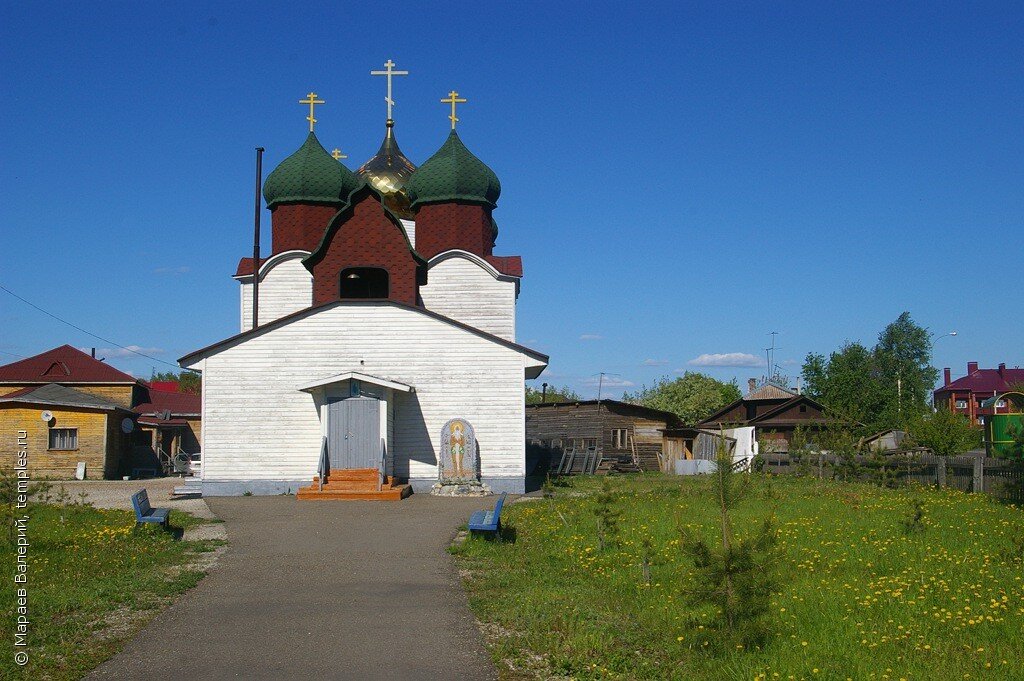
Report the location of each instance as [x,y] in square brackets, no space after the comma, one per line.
[453,99]
[337,154]
[312,100]
[388,73]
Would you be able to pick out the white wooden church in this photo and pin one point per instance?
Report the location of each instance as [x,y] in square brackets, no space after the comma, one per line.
[382,315]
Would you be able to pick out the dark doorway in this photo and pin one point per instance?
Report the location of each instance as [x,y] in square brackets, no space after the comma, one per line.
[364,282]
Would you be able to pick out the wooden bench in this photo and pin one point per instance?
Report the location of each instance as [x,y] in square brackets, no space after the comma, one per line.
[144,513]
[488,522]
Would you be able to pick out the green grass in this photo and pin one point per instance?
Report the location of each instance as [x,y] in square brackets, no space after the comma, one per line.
[860,597]
[94,580]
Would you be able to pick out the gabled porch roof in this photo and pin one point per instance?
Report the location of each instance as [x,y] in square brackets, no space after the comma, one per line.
[357,376]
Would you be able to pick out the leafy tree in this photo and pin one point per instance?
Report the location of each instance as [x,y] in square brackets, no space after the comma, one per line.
[903,357]
[188,381]
[692,396]
[945,432]
[554,394]
[845,382]
[880,387]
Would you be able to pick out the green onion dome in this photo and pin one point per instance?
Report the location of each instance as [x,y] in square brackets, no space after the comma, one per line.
[310,175]
[453,174]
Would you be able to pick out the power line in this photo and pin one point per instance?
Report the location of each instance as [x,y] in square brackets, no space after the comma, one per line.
[87,333]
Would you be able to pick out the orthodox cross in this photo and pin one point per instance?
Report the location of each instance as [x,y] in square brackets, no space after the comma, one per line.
[388,73]
[453,99]
[312,100]
[337,154]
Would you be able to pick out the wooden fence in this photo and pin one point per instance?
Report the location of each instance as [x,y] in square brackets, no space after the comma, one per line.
[1001,478]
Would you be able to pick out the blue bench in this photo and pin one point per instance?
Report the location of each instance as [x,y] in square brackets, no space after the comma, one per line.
[488,521]
[144,513]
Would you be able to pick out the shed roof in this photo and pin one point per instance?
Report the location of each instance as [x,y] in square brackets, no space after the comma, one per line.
[637,409]
[176,403]
[56,395]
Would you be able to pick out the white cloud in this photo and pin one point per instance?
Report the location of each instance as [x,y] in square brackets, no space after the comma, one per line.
[591,336]
[183,269]
[727,359]
[655,362]
[127,351]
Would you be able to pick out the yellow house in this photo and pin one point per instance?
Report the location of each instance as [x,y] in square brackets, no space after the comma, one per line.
[111,421]
[61,428]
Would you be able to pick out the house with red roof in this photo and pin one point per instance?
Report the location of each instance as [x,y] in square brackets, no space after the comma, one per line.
[966,394]
[67,408]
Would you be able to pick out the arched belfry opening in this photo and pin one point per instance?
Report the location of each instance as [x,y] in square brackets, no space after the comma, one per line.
[364,282]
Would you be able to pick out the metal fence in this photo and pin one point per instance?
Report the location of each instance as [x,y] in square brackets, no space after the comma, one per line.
[1002,478]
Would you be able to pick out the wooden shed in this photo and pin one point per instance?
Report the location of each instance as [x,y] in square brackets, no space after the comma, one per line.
[618,432]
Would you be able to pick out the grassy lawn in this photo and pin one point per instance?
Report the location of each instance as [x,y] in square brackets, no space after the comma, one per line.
[860,598]
[93,582]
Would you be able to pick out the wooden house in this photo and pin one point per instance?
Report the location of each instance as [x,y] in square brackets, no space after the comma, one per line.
[775,411]
[114,423]
[618,431]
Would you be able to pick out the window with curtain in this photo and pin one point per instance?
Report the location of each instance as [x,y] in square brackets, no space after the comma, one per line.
[63,438]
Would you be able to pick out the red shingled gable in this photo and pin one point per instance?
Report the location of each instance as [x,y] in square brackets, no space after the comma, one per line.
[177,403]
[511,265]
[245,266]
[62,365]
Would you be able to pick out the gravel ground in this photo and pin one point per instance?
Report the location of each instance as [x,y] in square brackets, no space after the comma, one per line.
[117,494]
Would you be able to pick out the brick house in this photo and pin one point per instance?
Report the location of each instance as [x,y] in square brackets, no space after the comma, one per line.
[966,394]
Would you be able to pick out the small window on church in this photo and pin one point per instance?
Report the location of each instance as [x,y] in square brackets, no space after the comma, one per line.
[364,282]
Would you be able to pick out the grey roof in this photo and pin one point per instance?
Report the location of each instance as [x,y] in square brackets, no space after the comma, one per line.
[59,395]
[771,391]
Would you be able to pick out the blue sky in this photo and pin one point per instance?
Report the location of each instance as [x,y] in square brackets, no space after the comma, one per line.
[679,179]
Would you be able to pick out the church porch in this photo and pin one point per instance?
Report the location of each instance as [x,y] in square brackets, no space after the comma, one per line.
[357,417]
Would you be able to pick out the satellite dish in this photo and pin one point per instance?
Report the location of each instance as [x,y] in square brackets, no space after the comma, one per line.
[127,425]
[46,416]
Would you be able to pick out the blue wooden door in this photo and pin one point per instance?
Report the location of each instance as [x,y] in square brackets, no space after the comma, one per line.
[353,433]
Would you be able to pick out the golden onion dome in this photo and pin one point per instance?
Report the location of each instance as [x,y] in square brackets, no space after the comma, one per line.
[388,172]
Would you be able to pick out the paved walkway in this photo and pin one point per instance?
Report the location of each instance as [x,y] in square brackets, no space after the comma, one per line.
[321,590]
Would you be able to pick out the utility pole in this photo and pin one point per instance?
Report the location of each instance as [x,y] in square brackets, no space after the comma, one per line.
[256,234]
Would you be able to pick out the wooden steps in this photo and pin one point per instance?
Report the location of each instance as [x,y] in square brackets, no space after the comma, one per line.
[354,483]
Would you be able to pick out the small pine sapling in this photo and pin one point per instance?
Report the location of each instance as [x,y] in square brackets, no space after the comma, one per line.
[914,522]
[607,516]
[548,488]
[737,577]
[646,558]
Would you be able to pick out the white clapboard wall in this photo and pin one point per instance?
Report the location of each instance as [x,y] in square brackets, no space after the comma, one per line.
[286,286]
[257,424]
[465,287]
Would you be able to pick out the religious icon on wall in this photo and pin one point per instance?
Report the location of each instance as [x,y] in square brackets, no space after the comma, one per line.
[458,451]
